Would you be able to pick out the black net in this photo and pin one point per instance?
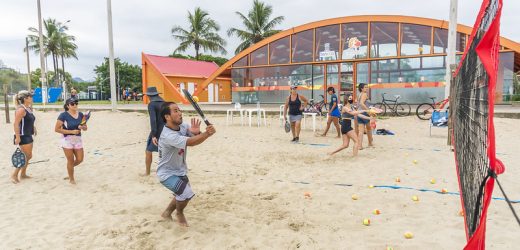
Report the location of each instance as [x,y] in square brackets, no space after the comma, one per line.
[470,122]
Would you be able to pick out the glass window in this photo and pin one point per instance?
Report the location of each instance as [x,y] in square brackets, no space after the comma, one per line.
[409,63]
[318,76]
[241,63]
[280,51]
[461,42]
[354,40]
[332,75]
[239,77]
[347,76]
[259,56]
[327,43]
[433,62]
[415,39]
[362,73]
[383,39]
[302,44]
[440,41]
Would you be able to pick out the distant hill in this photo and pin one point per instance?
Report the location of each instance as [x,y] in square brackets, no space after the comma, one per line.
[77,79]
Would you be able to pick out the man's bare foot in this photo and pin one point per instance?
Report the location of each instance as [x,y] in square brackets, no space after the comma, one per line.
[66,178]
[182,220]
[73,182]
[323,135]
[14,180]
[361,148]
[339,136]
[25,176]
[144,174]
[167,216]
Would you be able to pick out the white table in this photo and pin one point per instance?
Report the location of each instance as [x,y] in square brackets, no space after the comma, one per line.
[313,115]
[230,112]
[260,113]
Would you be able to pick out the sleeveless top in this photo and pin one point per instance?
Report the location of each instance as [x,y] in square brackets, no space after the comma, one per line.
[345,115]
[27,123]
[367,103]
[294,106]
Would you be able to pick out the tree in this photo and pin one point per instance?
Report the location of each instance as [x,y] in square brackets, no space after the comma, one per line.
[206,58]
[202,33]
[127,75]
[257,25]
[516,87]
[56,43]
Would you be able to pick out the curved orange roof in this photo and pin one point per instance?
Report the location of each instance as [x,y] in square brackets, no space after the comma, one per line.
[353,19]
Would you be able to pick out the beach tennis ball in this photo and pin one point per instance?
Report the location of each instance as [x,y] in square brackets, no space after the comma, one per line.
[376,211]
[461,213]
[355,197]
[444,190]
[307,194]
[389,248]
[432,181]
[408,235]
[195,98]
[371,186]
[397,179]
[415,161]
[415,198]
[366,222]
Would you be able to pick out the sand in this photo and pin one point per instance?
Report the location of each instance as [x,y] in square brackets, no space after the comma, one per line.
[250,185]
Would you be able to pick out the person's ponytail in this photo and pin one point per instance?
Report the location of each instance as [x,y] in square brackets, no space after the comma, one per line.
[17,99]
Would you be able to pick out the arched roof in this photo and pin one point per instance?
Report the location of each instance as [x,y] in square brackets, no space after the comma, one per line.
[353,19]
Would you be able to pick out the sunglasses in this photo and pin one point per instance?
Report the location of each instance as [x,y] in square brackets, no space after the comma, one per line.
[73,103]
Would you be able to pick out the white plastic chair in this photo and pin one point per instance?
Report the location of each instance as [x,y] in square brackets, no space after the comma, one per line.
[260,114]
[229,114]
[281,118]
[313,115]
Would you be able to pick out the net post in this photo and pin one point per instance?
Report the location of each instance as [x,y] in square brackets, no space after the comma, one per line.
[453,68]
[6,103]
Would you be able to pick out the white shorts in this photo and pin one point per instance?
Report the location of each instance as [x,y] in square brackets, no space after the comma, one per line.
[72,142]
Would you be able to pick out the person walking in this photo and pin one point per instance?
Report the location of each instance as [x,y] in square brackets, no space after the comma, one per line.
[334,113]
[24,130]
[294,104]
[364,124]
[156,125]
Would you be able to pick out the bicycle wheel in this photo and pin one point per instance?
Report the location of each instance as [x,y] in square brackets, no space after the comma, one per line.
[402,109]
[381,106]
[424,111]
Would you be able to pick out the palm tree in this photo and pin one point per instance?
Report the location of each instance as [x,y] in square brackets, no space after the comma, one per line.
[56,43]
[257,23]
[202,33]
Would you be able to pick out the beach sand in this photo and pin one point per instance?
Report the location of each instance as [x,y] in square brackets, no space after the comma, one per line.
[250,185]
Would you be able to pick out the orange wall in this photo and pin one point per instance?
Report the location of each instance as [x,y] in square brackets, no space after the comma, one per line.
[154,80]
[224,94]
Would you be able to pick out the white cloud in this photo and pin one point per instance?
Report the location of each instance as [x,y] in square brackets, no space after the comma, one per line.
[145,26]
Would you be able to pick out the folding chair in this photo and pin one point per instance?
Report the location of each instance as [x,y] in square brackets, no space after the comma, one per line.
[439,119]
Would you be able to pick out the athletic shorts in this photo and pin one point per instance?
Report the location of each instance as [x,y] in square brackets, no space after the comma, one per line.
[150,147]
[24,139]
[72,142]
[180,186]
[295,118]
[362,121]
[346,126]
[335,113]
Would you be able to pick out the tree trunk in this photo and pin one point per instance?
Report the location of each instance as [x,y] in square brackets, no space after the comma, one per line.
[197,46]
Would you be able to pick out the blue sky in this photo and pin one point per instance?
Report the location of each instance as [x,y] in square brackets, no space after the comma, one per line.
[144,26]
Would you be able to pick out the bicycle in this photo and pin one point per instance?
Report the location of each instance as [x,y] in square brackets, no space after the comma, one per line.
[424,111]
[318,108]
[398,108]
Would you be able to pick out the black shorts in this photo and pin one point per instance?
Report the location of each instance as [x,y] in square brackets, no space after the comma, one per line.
[346,126]
[24,139]
[150,147]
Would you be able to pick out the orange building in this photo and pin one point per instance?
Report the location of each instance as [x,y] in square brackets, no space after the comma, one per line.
[171,75]
[393,54]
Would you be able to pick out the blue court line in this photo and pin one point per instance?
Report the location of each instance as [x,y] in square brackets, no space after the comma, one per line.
[314,144]
[435,191]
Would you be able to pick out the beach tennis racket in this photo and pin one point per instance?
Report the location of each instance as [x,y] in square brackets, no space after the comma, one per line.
[195,106]
[287,127]
[18,159]
[85,118]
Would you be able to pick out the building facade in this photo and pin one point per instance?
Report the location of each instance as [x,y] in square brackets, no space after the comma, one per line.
[393,54]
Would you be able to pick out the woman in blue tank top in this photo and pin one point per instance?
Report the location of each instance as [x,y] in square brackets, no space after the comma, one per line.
[334,113]
[23,131]
[348,114]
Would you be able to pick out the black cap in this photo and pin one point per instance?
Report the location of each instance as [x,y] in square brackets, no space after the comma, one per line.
[71,100]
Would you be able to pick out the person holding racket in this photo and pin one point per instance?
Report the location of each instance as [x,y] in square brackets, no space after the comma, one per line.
[295,103]
[24,130]
[70,125]
[172,170]
[156,125]
[364,124]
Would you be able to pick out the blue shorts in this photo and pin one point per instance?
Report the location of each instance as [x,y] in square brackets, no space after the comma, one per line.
[361,120]
[180,186]
[150,147]
[335,113]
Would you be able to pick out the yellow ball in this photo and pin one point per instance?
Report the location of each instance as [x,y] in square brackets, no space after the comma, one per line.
[195,98]
[415,198]
[415,161]
[408,235]
[377,212]
[444,190]
[355,197]
[366,222]
[370,186]
[432,181]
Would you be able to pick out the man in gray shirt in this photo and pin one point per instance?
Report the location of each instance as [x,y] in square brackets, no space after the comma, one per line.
[172,170]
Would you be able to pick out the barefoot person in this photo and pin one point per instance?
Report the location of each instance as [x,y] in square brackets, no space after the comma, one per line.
[364,124]
[23,131]
[295,106]
[69,125]
[172,169]
[156,125]
[348,114]
[334,113]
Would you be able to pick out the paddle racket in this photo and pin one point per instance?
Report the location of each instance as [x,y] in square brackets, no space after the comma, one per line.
[18,159]
[287,127]
[195,106]
[85,118]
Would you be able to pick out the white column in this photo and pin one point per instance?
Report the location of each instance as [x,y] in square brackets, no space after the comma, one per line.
[113,91]
[452,36]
